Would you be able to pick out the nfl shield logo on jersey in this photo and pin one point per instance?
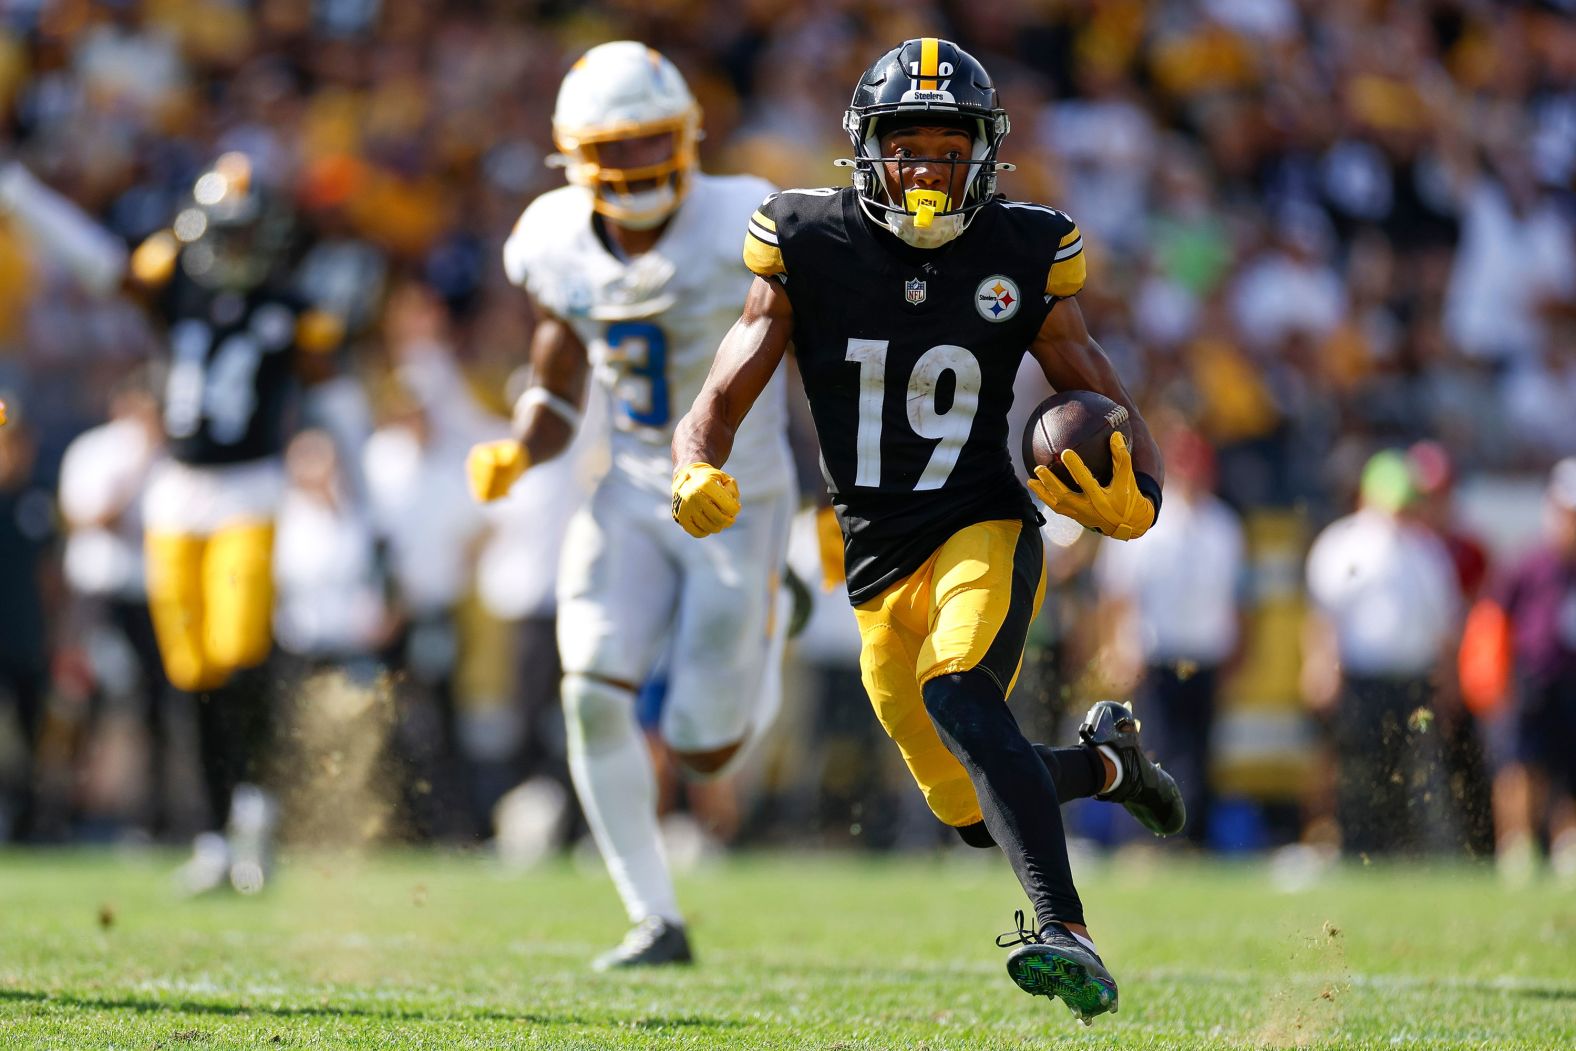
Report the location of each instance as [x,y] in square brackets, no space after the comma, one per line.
[914,291]
[996,298]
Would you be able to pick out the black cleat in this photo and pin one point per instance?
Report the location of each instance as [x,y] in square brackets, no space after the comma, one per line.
[1148,792]
[1051,962]
[652,942]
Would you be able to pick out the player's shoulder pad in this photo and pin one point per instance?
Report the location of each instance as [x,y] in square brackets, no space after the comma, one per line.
[1067,271]
[319,331]
[724,204]
[738,192]
[153,261]
[763,252]
[780,217]
[542,225]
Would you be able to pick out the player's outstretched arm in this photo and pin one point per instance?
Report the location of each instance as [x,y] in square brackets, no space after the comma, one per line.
[706,499]
[545,417]
[1125,509]
[62,229]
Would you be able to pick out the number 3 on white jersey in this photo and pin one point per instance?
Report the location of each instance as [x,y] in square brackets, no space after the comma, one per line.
[952,427]
[639,351]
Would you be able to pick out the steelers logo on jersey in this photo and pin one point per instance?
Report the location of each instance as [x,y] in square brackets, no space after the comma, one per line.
[997,298]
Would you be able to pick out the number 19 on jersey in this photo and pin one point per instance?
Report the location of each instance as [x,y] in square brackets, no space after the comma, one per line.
[922,402]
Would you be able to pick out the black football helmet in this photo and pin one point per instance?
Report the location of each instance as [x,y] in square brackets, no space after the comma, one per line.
[927,80]
[235,233]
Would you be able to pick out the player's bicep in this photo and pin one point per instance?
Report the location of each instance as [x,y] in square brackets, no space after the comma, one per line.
[1069,356]
[751,351]
[548,413]
[559,362]
[1072,360]
[749,355]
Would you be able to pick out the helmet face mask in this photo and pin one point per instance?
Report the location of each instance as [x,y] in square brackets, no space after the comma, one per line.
[924,83]
[235,234]
[627,129]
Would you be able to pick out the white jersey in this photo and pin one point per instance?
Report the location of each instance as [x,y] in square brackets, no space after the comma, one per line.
[652,324]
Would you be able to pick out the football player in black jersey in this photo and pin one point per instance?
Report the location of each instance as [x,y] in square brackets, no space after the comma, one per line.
[910,298]
[242,344]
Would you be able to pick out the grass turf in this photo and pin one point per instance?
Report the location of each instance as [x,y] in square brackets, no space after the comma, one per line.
[426,951]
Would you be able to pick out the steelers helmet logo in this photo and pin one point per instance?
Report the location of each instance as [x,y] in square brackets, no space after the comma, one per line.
[997,298]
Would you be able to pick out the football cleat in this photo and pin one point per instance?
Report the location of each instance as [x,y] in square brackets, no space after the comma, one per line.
[1148,792]
[253,817]
[652,942]
[207,869]
[1051,962]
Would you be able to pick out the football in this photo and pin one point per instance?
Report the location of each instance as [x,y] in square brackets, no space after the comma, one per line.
[1082,421]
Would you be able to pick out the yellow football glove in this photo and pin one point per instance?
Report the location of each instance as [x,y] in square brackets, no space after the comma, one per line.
[1118,510]
[493,467]
[705,500]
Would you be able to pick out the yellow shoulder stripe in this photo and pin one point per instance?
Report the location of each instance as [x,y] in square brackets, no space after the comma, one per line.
[1066,277]
[765,260]
[1068,269]
[766,221]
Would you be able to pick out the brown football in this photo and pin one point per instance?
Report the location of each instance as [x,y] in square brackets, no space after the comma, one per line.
[1082,421]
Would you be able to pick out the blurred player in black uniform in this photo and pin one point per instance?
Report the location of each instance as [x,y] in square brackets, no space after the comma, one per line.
[241,345]
[910,299]
[240,342]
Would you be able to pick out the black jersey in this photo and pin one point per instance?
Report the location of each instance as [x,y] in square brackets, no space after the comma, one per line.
[231,376]
[908,357]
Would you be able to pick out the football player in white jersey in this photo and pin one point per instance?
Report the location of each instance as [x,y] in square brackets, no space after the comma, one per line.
[635,274]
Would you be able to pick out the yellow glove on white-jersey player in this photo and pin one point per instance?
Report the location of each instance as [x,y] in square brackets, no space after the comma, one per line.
[493,467]
[1118,510]
[705,499]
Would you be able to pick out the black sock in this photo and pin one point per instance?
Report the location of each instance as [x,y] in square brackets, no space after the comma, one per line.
[1077,773]
[234,729]
[1013,785]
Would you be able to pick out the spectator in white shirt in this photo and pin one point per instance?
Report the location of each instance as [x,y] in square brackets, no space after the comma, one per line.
[1517,257]
[1290,288]
[102,476]
[414,467]
[329,604]
[1171,605]
[1382,635]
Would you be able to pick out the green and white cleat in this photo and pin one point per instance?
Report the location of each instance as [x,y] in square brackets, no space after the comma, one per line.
[1051,962]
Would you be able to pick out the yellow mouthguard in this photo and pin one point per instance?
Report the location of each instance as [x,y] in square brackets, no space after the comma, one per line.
[924,204]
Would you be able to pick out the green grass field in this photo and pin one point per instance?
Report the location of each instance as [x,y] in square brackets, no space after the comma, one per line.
[422,951]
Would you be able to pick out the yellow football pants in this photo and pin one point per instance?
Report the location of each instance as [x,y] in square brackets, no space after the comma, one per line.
[969,606]
[212,600]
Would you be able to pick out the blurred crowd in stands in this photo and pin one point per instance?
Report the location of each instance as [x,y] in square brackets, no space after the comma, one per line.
[1332,249]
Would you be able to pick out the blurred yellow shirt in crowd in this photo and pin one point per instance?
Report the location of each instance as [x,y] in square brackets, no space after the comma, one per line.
[1236,405]
[16,281]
